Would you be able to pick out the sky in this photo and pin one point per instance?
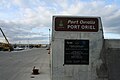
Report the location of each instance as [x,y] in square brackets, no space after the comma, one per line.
[29,21]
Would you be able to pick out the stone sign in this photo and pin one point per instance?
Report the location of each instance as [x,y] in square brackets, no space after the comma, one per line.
[76,48]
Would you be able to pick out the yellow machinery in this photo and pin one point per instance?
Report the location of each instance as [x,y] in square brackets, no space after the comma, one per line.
[5,46]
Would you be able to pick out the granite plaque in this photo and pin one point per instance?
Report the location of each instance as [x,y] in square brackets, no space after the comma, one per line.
[76,52]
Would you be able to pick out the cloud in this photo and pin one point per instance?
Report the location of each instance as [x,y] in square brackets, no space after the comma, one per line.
[20,32]
[110,13]
[34,17]
[4,4]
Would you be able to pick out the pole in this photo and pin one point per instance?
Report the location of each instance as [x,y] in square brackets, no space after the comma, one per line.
[49,50]
[49,37]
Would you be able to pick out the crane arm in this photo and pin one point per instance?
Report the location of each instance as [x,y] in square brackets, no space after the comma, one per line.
[9,45]
[5,37]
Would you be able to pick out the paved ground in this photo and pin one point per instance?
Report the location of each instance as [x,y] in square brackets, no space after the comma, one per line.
[19,65]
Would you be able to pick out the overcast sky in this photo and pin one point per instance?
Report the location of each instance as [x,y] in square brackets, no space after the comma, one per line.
[26,21]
